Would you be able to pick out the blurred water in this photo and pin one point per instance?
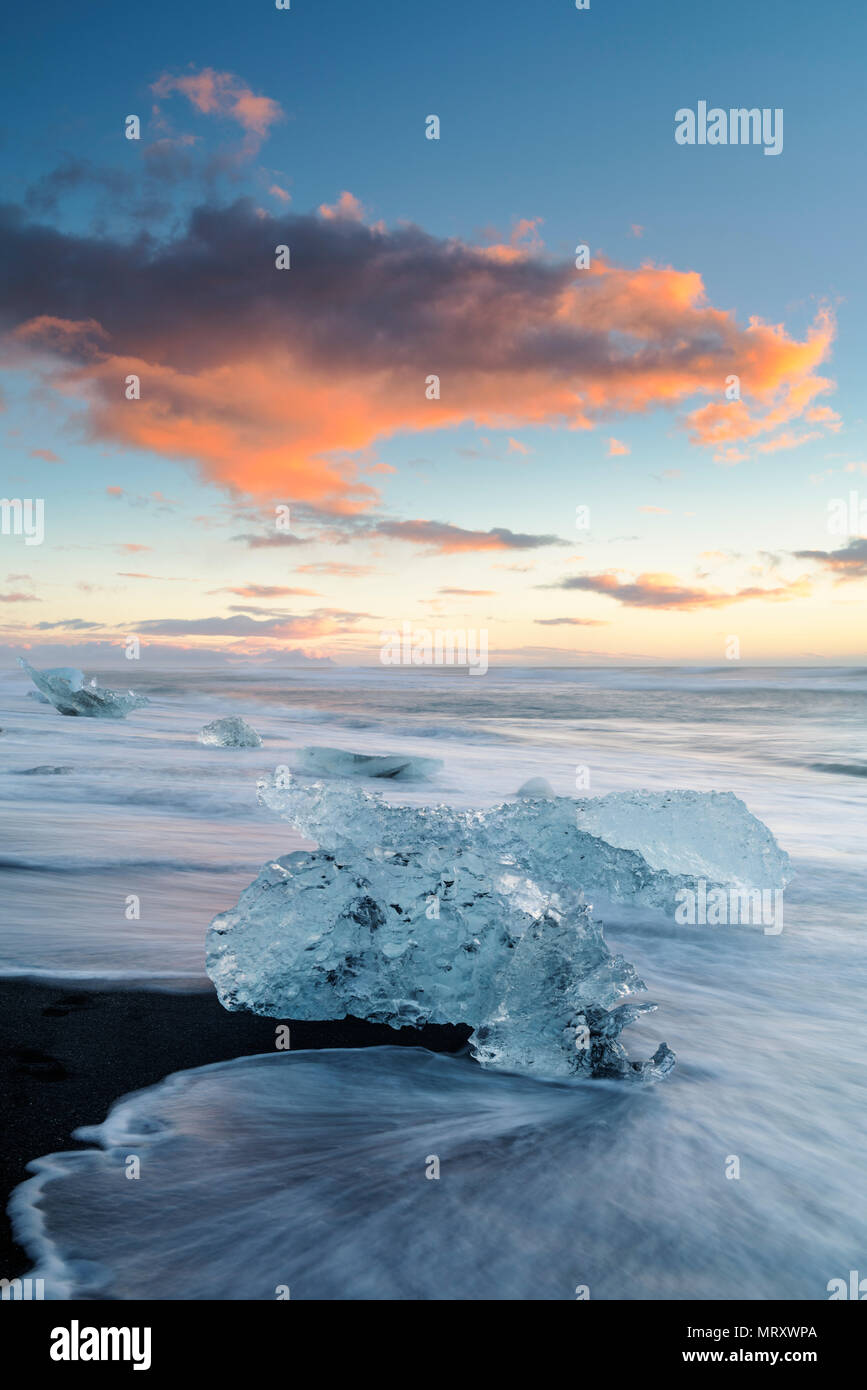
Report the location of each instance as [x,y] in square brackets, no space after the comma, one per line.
[146,810]
[308,1169]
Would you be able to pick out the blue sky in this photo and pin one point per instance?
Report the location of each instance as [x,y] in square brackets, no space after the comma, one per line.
[551,115]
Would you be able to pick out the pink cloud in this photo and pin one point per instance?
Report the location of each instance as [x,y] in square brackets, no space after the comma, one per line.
[223,94]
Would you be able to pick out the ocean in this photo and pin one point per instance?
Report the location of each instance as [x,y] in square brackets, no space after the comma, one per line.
[307,1169]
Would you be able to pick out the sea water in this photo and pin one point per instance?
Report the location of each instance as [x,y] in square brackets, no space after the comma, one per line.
[740,1175]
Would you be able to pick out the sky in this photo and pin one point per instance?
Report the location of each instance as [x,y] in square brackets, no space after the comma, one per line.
[440,413]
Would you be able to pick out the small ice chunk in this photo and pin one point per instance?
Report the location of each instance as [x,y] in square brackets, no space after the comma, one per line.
[231,732]
[536,786]
[319,761]
[64,688]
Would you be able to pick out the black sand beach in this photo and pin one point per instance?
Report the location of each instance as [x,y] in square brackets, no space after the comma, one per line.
[67,1054]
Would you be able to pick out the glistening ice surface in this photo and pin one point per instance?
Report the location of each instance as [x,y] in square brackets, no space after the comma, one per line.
[429,915]
[230,732]
[65,689]
[320,761]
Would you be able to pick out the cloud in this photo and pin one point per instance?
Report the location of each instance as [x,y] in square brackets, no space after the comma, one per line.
[787,440]
[271,385]
[70,624]
[571,622]
[321,623]
[73,174]
[332,567]
[266,591]
[18,598]
[615,448]
[347,206]
[162,578]
[281,194]
[666,592]
[271,539]
[468,593]
[47,455]
[222,94]
[655,511]
[849,562]
[441,538]
[153,499]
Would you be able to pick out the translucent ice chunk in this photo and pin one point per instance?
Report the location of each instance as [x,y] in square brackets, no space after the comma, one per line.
[408,916]
[65,689]
[709,835]
[536,786]
[336,762]
[230,732]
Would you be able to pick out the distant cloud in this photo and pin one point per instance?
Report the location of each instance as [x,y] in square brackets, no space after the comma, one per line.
[271,539]
[787,440]
[347,207]
[223,94]
[47,455]
[570,622]
[71,175]
[332,567]
[441,538]
[469,593]
[849,562]
[162,578]
[18,598]
[616,447]
[69,624]
[320,623]
[266,591]
[664,591]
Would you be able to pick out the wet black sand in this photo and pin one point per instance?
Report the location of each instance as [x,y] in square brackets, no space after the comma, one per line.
[67,1054]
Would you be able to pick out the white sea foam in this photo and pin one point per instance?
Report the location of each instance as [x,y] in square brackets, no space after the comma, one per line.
[309,1170]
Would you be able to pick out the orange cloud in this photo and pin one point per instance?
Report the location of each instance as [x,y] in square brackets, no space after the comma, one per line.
[665,591]
[269,381]
[347,206]
[615,448]
[787,440]
[223,94]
